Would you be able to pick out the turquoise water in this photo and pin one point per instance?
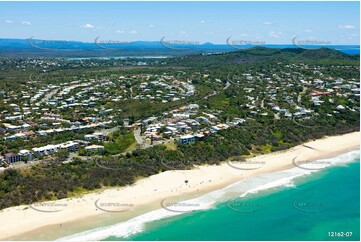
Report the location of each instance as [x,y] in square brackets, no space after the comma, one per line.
[322,202]
[294,204]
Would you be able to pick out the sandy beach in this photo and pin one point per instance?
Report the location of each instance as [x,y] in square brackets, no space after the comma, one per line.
[116,204]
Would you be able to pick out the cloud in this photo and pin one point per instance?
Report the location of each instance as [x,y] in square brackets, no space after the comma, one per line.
[244,35]
[308,31]
[353,36]
[182,32]
[274,34]
[346,26]
[203,21]
[120,31]
[9,21]
[133,32]
[87,26]
[267,23]
[151,25]
[26,23]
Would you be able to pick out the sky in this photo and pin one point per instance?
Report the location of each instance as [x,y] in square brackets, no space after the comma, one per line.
[259,22]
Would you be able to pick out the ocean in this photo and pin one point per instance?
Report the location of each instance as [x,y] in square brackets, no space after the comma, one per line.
[296,204]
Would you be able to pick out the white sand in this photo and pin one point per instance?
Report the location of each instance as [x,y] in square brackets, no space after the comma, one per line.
[150,191]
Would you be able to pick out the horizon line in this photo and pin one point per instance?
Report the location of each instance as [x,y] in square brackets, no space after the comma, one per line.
[160,40]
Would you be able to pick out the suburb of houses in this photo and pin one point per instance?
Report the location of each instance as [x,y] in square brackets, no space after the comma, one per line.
[79,110]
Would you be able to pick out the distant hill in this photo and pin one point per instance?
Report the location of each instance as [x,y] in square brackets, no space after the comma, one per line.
[59,48]
[262,54]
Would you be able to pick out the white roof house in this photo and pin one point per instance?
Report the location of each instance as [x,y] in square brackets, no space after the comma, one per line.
[94,147]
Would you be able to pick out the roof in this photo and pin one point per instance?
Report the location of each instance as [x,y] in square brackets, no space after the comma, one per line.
[94,147]
[187,136]
[11,155]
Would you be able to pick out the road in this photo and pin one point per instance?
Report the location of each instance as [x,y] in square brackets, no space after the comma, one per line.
[137,133]
[108,131]
[299,98]
[139,139]
[262,103]
[40,160]
[227,85]
[131,92]
[48,96]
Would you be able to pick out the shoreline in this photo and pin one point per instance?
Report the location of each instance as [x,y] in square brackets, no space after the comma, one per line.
[93,210]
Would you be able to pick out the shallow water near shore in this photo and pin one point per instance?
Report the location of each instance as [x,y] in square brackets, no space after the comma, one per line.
[294,204]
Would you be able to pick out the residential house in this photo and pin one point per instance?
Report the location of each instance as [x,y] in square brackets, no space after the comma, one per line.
[186,139]
[26,153]
[94,148]
[12,157]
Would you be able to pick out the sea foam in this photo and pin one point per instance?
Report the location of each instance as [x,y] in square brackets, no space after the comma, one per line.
[242,188]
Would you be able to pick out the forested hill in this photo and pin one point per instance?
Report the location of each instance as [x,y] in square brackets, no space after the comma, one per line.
[270,55]
[60,48]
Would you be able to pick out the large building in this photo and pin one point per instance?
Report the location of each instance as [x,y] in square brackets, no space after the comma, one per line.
[186,139]
[12,157]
